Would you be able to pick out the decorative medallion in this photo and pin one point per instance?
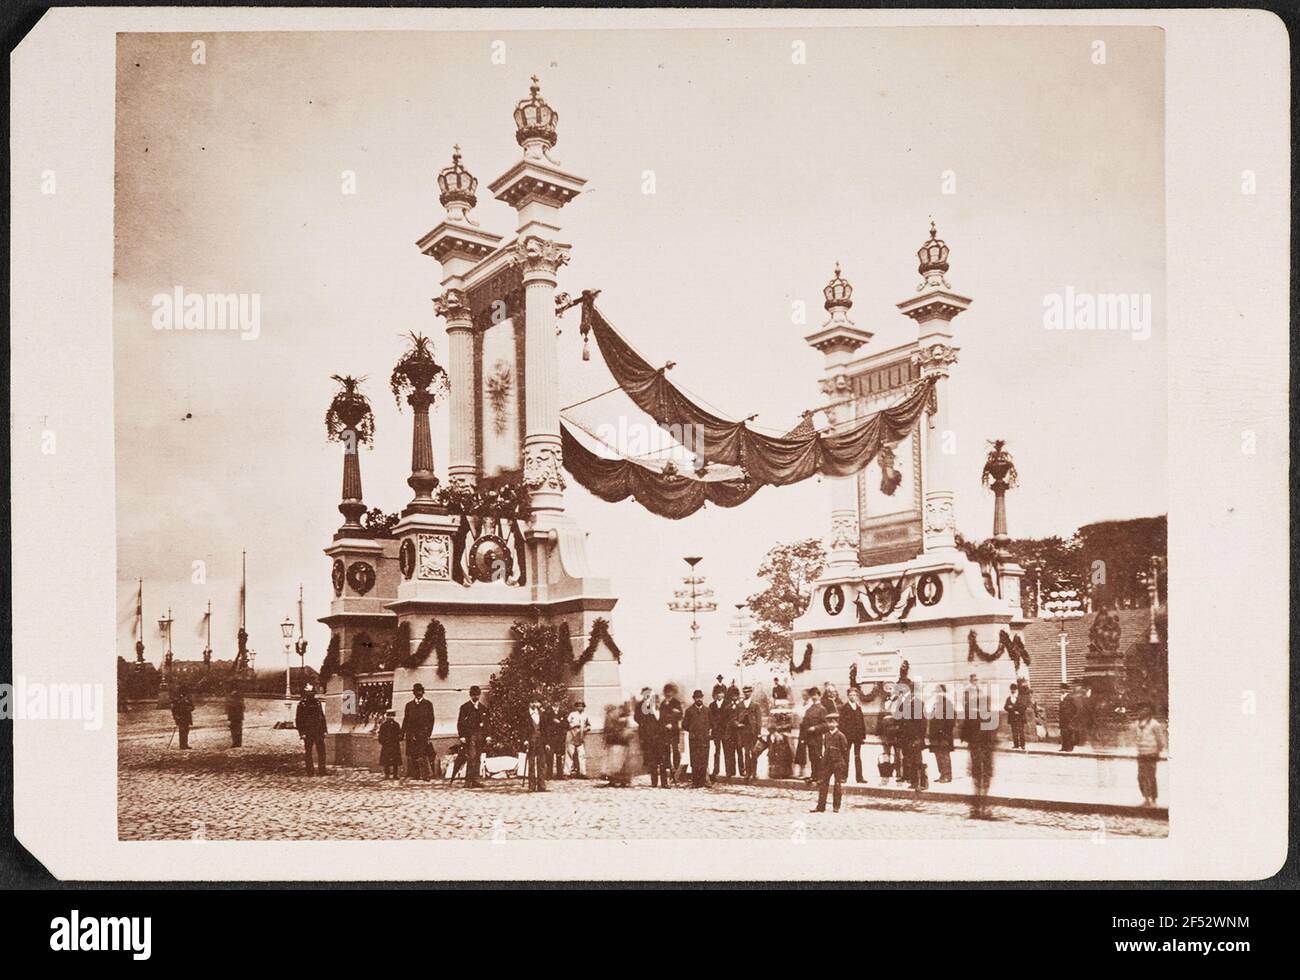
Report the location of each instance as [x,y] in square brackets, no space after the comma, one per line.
[434,557]
[929,589]
[833,600]
[890,476]
[490,560]
[336,574]
[406,557]
[361,576]
[542,468]
[883,598]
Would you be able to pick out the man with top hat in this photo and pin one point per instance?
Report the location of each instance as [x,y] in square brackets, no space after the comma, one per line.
[310,722]
[718,726]
[417,729]
[834,763]
[699,732]
[469,727]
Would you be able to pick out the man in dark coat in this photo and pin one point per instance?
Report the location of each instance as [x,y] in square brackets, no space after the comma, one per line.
[910,733]
[310,722]
[670,710]
[183,715]
[810,732]
[853,725]
[1068,718]
[469,727]
[699,730]
[730,736]
[834,763]
[717,726]
[1015,712]
[555,727]
[235,716]
[417,729]
[943,714]
[749,726]
[535,733]
[979,731]
[650,733]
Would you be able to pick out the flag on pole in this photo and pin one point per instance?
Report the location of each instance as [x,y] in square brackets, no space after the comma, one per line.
[201,628]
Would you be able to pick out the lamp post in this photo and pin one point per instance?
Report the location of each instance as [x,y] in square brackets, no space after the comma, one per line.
[286,630]
[741,626]
[693,598]
[1063,605]
[1151,578]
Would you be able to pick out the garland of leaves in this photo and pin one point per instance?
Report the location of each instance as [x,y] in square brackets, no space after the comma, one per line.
[805,664]
[508,500]
[399,651]
[599,634]
[330,665]
[434,641]
[1012,646]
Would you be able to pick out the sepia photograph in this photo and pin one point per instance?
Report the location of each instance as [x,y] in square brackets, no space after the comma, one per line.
[649,449]
[787,438]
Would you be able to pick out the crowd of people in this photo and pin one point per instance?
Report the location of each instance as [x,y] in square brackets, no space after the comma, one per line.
[820,742]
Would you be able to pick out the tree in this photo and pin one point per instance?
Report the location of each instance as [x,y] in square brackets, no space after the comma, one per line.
[790,570]
[537,667]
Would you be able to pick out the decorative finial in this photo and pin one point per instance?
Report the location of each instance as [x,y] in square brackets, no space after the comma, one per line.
[932,259]
[838,292]
[456,187]
[535,123]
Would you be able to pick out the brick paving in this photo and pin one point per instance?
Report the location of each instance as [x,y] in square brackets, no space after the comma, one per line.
[260,792]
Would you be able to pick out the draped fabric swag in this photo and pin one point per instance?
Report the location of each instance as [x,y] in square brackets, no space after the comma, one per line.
[778,460]
[761,459]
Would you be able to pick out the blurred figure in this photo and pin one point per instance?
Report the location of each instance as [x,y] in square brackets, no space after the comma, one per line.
[575,748]
[853,725]
[535,763]
[801,747]
[730,735]
[235,716]
[618,719]
[1067,718]
[943,717]
[887,731]
[670,711]
[979,731]
[183,715]
[390,745]
[310,722]
[910,735]
[556,728]
[417,729]
[834,764]
[1149,735]
[699,731]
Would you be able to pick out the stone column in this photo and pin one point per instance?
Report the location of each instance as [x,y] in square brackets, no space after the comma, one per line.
[461,465]
[422,480]
[938,523]
[351,505]
[543,460]
[845,533]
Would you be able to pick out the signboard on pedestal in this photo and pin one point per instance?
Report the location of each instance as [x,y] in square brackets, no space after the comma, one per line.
[877,666]
[889,489]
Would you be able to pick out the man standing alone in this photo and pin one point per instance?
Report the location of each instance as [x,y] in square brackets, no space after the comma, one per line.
[749,724]
[183,715]
[1150,737]
[417,729]
[834,764]
[235,715]
[469,728]
[1068,718]
[853,725]
[310,722]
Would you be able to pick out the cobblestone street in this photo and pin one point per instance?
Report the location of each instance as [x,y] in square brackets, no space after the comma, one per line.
[260,792]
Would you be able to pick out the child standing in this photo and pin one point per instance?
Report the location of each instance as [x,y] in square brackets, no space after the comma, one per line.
[390,745]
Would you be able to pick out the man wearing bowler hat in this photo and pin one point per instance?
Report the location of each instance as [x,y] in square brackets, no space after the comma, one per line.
[698,730]
[469,726]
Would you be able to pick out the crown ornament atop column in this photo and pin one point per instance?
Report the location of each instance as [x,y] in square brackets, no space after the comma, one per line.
[932,258]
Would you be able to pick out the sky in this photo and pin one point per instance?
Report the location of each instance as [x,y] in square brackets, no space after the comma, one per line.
[1043,169]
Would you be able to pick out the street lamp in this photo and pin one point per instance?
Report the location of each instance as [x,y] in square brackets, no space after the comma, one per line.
[694,598]
[1063,605]
[741,627]
[286,630]
[1151,579]
[165,626]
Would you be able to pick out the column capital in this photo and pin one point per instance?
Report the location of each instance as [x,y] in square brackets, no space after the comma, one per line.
[452,306]
[539,257]
[935,359]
